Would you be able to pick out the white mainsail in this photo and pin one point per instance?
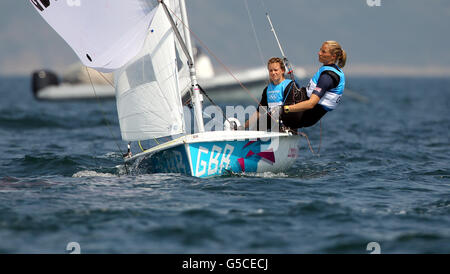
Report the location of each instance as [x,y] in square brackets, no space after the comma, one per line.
[104,34]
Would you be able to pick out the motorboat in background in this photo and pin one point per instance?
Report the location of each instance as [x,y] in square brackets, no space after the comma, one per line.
[75,82]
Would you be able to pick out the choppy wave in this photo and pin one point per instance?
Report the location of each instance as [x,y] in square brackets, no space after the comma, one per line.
[30,122]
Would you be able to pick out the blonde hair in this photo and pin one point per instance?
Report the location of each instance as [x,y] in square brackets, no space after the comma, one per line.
[336,49]
[276,60]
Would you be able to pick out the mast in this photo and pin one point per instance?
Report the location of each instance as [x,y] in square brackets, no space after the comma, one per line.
[184,18]
[286,61]
[197,98]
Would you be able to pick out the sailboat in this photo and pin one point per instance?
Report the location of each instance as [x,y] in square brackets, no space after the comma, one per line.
[148,47]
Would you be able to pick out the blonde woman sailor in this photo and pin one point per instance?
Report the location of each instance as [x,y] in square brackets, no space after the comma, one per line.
[324,90]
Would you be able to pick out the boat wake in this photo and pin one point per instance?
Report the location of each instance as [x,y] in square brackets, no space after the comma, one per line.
[91,173]
[258,174]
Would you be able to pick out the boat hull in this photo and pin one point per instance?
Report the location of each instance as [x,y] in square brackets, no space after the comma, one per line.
[218,157]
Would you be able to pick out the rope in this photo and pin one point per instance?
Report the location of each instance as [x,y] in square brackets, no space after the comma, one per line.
[212,102]
[264,6]
[309,143]
[258,44]
[106,79]
[106,120]
[320,142]
[139,142]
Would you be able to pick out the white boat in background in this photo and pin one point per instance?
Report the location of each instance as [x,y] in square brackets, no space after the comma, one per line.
[144,50]
[75,82]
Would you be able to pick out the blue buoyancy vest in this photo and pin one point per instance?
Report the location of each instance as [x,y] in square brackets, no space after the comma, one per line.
[275,93]
[333,96]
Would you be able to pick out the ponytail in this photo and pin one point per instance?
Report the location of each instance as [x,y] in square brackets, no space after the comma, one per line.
[342,59]
[336,49]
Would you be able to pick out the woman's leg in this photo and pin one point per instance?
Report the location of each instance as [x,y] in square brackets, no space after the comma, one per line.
[311,116]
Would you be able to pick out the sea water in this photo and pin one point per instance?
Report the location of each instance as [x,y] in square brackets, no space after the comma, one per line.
[382,175]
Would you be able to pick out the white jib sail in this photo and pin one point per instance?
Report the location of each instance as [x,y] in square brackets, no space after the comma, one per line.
[147,90]
[105,34]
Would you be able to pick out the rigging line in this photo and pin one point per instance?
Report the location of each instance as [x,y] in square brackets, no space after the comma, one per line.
[264,6]
[272,28]
[139,142]
[106,120]
[320,142]
[106,79]
[221,63]
[309,143]
[212,102]
[258,44]
[143,150]
[285,59]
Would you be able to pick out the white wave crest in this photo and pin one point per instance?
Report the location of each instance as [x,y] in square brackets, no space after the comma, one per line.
[267,174]
[90,173]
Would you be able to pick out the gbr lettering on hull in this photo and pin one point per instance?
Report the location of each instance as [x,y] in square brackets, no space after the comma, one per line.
[210,162]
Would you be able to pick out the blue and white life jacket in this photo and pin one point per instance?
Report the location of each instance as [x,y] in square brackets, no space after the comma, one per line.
[332,97]
[275,93]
